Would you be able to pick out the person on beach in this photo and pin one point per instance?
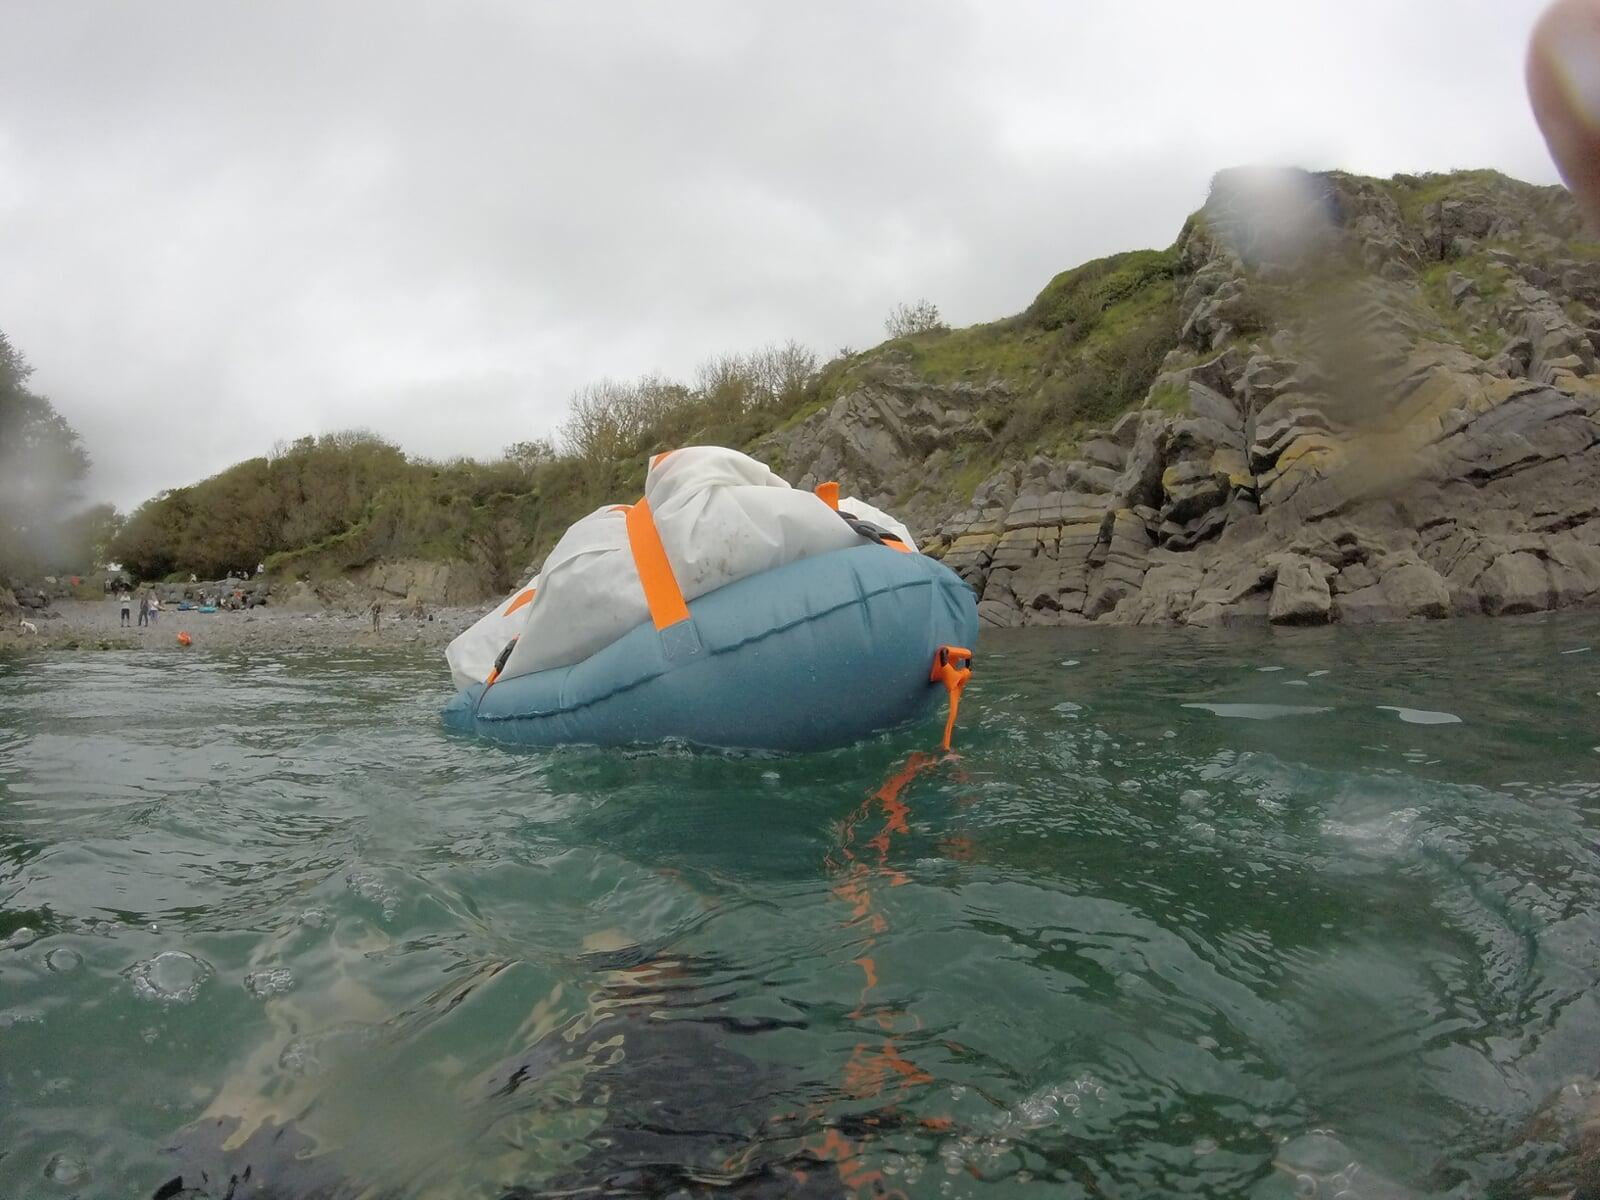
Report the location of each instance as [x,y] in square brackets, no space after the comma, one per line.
[377,612]
[155,607]
[144,609]
[126,604]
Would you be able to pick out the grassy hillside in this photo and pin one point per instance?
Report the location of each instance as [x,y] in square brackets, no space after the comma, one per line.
[1084,351]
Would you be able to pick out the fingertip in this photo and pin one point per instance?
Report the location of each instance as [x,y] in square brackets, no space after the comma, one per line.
[1563,75]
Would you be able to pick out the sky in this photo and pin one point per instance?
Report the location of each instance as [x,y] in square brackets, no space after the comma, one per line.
[222,225]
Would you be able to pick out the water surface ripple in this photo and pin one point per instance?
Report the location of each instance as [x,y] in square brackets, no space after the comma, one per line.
[1266,914]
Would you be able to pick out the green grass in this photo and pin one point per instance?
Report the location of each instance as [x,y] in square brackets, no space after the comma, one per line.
[1491,281]
[1414,193]
[1170,399]
[1077,302]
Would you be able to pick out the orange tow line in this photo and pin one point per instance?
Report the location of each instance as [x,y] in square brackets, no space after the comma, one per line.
[952,666]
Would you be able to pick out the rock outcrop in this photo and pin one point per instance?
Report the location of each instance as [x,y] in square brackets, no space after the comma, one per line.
[429,583]
[1381,405]
[891,437]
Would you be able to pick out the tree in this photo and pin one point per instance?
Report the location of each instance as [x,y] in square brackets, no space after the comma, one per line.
[531,455]
[906,320]
[42,465]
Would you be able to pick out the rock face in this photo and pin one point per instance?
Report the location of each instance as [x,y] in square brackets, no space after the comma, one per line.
[417,581]
[890,438]
[1382,405]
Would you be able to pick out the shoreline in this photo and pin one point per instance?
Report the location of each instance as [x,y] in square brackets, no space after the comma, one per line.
[96,625]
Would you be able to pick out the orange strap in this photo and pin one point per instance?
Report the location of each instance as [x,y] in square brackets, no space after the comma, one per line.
[661,591]
[828,493]
[952,666]
[523,599]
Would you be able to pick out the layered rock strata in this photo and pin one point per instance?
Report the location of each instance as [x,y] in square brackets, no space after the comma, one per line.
[1370,414]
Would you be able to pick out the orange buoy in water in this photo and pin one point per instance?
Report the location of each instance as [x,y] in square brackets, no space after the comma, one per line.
[184,639]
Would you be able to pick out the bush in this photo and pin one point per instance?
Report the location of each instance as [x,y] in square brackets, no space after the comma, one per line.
[908,320]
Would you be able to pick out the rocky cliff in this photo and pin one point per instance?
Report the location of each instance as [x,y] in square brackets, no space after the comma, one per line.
[1377,401]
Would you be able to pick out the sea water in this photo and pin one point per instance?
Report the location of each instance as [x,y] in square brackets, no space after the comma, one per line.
[1266,913]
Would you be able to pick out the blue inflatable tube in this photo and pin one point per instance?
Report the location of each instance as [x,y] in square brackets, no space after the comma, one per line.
[814,654]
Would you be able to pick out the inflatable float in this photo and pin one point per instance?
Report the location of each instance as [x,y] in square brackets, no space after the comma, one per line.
[723,609]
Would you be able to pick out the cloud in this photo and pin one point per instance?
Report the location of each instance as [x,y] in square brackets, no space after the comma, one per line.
[225,225]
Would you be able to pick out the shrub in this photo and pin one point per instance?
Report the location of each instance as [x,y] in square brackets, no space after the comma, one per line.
[908,320]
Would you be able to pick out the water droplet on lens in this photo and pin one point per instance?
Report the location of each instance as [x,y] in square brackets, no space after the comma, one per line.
[63,959]
[172,977]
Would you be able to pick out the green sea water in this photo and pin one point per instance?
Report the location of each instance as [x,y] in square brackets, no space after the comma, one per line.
[1269,913]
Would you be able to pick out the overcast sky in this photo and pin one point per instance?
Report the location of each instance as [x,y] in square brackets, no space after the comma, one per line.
[226,224]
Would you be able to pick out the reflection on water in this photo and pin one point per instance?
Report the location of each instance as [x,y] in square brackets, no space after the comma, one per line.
[1303,912]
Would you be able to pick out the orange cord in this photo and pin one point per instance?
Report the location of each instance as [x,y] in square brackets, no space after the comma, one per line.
[954,675]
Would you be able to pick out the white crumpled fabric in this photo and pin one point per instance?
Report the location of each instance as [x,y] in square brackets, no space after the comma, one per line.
[721,515]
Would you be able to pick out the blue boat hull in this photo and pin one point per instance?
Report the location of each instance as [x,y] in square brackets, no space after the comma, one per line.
[814,654]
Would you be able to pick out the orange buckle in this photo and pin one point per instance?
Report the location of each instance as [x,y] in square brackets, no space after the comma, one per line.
[952,666]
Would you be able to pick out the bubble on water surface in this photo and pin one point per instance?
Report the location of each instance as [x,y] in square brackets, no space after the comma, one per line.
[1070,662]
[1068,708]
[63,959]
[272,982]
[1193,798]
[1314,1153]
[1316,674]
[1295,683]
[1267,670]
[171,977]
[21,936]
[316,1053]
[313,918]
[1203,1146]
[65,1170]
[370,886]
[770,777]
[1578,650]
[1206,1042]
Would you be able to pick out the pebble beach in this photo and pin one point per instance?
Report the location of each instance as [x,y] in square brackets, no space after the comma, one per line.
[96,625]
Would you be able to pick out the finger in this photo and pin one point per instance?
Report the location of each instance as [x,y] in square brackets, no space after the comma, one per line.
[1564,86]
